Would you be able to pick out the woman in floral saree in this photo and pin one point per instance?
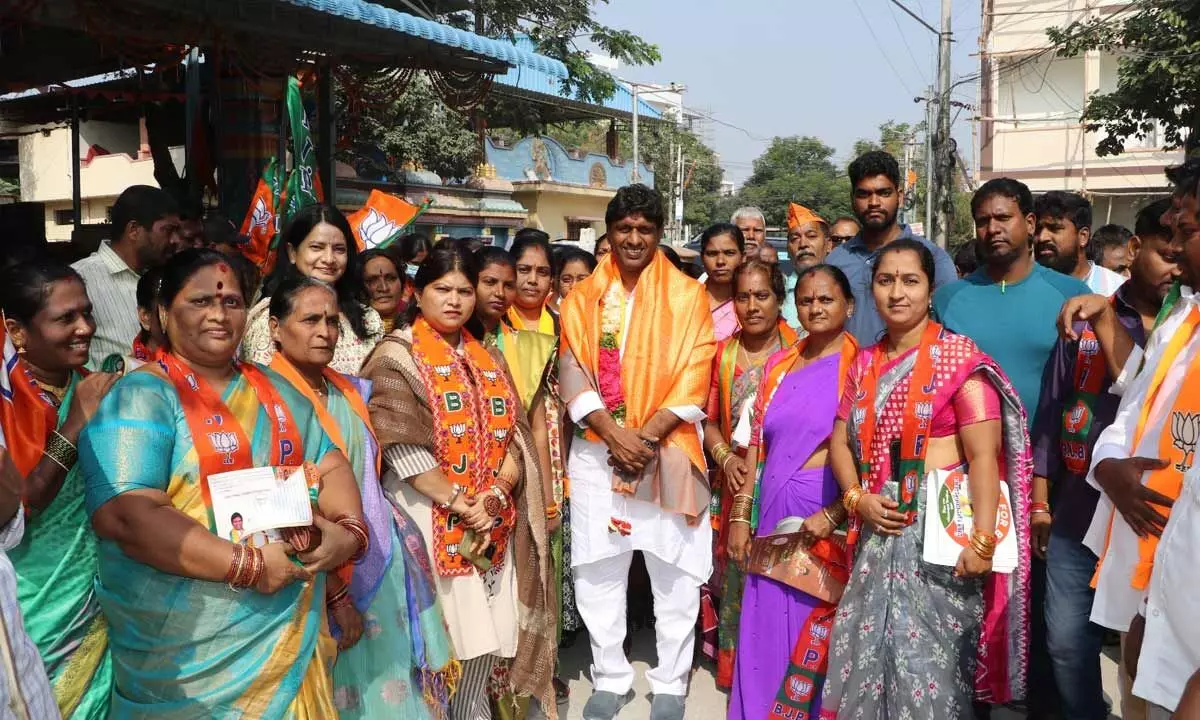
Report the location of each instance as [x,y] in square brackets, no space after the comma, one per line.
[911,638]
[201,627]
[49,318]
[465,468]
[737,370]
[794,410]
[394,652]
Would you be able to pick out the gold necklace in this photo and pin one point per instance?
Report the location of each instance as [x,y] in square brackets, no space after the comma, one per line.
[58,393]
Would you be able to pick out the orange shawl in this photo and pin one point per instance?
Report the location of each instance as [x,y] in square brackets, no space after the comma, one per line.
[668,353]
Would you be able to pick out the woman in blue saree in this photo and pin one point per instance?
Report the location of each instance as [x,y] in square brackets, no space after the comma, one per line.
[394,655]
[201,627]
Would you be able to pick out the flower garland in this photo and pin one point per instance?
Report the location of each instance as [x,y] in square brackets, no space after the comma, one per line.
[612,315]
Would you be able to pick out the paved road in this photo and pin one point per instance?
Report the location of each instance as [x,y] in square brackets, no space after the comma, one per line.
[705,702]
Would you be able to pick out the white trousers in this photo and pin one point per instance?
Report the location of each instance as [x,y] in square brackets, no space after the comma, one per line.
[600,592]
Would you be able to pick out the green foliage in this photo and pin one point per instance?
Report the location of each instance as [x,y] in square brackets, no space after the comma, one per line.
[794,169]
[1157,82]
[412,127]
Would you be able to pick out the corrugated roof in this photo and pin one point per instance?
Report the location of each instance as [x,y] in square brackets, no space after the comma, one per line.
[389,19]
[533,80]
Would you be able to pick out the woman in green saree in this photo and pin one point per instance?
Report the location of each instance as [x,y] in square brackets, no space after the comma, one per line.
[49,317]
[200,626]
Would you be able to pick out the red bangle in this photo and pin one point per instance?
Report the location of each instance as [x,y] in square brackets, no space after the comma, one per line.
[235,564]
[359,529]
[1039,507]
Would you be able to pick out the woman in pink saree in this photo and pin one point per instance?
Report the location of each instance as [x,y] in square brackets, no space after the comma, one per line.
[911,638]
[721,248]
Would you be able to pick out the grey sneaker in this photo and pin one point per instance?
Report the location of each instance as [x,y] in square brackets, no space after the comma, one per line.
[667,707]
[604,705]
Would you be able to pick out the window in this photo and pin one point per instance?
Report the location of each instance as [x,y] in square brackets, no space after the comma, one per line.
[64,217]
[573,228]
[108,214]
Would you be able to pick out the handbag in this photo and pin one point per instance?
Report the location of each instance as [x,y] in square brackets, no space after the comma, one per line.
[820,568]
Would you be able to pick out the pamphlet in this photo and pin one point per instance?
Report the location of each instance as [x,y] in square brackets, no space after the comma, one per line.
[249,505]
[949,522]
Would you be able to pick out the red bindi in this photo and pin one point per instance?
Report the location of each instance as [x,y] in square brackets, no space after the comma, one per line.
[223,267]
[220,285]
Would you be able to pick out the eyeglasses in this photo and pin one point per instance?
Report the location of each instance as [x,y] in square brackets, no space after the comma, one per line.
[839,239]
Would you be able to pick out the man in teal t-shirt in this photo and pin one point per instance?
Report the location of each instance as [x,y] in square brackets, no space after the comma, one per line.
[1010,305]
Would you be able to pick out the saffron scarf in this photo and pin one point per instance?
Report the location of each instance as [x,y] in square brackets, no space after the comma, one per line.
[1180,433]
[666,362]
[35,416]
[221,442]
[144,354]
[474,410]
[727,368]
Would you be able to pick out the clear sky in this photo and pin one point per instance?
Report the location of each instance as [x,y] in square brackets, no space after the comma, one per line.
[799,67]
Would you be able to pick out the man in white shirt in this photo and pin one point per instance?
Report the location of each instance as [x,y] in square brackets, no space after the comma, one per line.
[638,349]
[1064,228]
[146,231]
[1130,514]
[24,688]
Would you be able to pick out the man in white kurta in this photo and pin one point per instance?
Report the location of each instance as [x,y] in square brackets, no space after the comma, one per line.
[637,474]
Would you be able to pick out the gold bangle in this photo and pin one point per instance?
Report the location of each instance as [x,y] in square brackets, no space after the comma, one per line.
[733,520]
[985,539]
[829,517]
[851,497]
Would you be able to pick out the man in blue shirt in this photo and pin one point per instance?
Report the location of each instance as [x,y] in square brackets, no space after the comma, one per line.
[1009,307]
[876,198]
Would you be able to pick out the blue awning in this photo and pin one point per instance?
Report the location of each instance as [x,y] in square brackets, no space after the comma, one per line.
[438,33]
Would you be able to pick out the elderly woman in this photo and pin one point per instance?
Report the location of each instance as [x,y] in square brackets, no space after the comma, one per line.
[794,409]
[395,653]
[49,318]
[200,626]
[737,370]
[460,459]
[721,248]
[385,285]
[318,243]
[920,399]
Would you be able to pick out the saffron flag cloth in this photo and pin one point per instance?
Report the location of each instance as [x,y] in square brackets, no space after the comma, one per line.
[381,220]
[262,218]
[7,416]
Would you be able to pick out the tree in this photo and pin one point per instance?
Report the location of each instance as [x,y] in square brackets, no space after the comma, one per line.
[796,169]
[1158,44]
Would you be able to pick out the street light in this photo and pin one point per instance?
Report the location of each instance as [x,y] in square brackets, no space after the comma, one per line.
[635,88]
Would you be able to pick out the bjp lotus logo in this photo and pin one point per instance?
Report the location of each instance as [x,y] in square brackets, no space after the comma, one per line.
[924,413]
[490,375]
[225,444]
[1076,417]
[260,217]
[1185,431]
[443,370]
[458,430]
[500,434]
[376,228]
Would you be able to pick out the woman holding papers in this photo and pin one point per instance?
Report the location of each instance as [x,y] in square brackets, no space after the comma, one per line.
[737,370]
[49,317]
[318,242]
[909,629]
[785,475]
[199,626]
[460,459]
[394,657]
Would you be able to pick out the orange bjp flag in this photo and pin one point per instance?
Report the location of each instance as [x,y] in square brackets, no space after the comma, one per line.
[380,220]
[261,220]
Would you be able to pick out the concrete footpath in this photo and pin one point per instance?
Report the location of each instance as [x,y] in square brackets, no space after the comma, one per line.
[705,702]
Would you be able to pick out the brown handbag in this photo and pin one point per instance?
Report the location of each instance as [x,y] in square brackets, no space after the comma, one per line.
[819,569]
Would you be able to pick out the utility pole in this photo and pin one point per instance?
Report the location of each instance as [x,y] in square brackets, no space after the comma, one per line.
[636,175]
[929,178]
[904,179]
[944,180]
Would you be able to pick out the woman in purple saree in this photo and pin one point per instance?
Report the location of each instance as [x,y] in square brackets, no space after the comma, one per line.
[792,420]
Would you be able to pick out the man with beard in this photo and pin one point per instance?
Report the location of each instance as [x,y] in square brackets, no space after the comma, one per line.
[1064,229]
[1146,531]
[146,231]
[876,197]
[637,353]
[1075,407]
[1008,307]
[753,224]
[807,245]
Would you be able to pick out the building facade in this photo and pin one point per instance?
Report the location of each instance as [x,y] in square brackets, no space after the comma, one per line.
[1031,101]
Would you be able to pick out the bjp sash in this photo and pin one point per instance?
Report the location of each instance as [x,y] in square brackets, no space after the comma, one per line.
[144,354]
[918,416]
[221,442]
[1091,372]
[666,362]
[1179,438]
[474,410]
[801,686]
